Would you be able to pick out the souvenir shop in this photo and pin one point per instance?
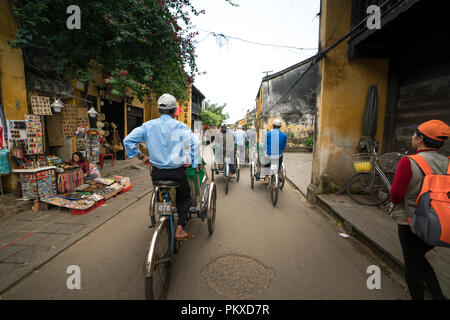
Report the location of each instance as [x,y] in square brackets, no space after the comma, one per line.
[27,149]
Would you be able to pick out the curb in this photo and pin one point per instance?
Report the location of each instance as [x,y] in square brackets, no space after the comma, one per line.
[23,272]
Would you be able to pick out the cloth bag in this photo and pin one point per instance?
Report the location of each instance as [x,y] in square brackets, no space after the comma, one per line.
[4,162]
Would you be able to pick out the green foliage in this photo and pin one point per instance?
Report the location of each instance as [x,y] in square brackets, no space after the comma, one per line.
[309,142]
[213,114]
[144,45]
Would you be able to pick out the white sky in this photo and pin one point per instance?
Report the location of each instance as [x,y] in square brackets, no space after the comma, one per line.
[235,71]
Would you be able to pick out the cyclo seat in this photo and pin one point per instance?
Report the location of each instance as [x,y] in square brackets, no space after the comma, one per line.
[166,184]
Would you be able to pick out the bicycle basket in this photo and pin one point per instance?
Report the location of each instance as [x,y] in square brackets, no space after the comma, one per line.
[362,162]
[388,162]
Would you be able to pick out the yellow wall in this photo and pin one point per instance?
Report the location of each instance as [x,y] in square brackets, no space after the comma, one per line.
[12,79]
[12,73]
[341,101]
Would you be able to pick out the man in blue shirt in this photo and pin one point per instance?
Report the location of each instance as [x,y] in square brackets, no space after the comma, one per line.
[240,137]
[274,145]
[172,147]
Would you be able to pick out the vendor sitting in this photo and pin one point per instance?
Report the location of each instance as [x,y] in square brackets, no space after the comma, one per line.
[77,158]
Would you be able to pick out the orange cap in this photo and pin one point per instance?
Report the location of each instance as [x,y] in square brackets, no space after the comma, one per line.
[435,129]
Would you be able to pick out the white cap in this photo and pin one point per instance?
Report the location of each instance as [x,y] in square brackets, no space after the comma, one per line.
[167,102]
[224,124]
[277,123]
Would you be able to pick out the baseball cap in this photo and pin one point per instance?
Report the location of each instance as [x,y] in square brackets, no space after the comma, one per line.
[224,124]
[435,129]
[277,123]
[167,102]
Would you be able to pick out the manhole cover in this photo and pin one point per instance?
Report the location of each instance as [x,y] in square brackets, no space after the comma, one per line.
[238,277]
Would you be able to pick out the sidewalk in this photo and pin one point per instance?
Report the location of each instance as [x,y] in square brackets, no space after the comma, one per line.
[28,240]
[371,223]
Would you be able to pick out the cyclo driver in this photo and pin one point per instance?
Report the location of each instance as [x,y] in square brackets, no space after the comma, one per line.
[172,147]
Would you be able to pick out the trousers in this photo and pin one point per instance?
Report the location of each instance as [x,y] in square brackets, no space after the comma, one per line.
[183,195]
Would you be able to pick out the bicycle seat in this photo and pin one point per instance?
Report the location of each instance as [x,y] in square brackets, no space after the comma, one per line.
[166,184]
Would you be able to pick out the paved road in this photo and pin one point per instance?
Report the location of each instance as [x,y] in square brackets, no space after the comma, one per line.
[290,252]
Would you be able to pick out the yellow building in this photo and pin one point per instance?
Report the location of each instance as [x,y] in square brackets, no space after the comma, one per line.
[409,62]
[13,95]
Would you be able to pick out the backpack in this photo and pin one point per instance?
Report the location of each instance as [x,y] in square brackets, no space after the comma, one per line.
[431,220]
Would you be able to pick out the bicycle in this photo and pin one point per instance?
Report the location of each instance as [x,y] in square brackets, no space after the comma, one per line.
[226,170]
[163,247]
[277,176]
[371,184]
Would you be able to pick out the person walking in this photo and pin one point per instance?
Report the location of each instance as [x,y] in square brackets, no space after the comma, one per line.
[428,138]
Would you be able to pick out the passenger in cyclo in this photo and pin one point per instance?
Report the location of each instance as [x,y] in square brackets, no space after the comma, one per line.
[224,149]
[274,145]
[173,147]
[240,139]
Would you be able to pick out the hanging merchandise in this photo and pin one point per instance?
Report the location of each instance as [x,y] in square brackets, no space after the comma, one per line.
[82,142]
[4,162]
[69,180]
[82,117]
[46,181]
[41,106]
[34,134]
[94,145]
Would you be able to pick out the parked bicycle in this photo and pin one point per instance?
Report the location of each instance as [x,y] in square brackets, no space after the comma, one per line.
[371,184]
[163,246]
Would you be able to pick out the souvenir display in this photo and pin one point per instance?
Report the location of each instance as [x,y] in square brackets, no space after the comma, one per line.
[82,141]
[34,134]
[4,161]
[69,180]
[54,161]
[41,106]
[46,181]
[57,201]
[17,138]
[69,118]
[108,192]
[83,204]
[93,187]
[29,186]
[104,181]
[94,146]
[123,181]
[82,118]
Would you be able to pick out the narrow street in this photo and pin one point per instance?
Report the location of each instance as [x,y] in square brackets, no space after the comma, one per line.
[293,251]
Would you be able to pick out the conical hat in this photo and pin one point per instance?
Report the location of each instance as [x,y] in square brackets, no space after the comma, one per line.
[100,124]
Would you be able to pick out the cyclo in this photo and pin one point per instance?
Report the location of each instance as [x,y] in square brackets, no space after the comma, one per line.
[276,173]
[163,247]
[225,169]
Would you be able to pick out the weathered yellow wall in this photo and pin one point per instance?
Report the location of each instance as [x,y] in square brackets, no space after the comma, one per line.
[12,73]
[12,79]
[341,101]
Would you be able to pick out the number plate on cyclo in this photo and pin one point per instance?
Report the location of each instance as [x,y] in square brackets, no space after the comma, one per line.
[163,208]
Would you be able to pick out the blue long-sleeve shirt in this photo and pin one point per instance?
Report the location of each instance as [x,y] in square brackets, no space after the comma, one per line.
[169,143]
[240,137]
[275,142]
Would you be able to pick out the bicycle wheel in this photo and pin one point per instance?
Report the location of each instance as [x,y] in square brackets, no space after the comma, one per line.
[212,174]
[211,209]
[157,284]
[367,188]
[274,189]
[282,176]
[252,175]
[227,178]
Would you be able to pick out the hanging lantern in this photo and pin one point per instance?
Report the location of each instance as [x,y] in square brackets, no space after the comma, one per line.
[92,113]
[57,105]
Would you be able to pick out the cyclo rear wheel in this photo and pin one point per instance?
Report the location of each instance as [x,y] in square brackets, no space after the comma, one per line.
[367,188]
[252,174]
[274,189]
[157,285]
[227,177]
[152,209]
[282,176]
[211,208]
